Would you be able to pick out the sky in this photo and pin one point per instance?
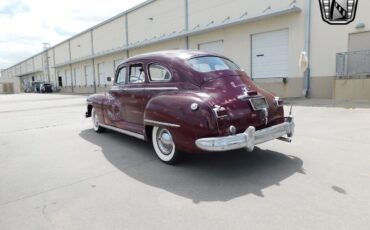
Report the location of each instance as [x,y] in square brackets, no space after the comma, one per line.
[26,24]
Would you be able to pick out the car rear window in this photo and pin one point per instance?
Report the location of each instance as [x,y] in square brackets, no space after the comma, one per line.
[211,63]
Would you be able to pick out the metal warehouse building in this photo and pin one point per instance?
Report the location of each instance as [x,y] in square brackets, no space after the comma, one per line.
[265,37]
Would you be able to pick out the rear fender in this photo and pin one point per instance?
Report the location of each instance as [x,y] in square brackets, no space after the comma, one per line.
[186,125]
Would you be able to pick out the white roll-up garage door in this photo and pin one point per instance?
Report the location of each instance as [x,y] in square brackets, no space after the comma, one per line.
[214,47]
[89,75]
[270,54]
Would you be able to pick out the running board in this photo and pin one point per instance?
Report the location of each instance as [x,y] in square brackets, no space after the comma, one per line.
[139,136]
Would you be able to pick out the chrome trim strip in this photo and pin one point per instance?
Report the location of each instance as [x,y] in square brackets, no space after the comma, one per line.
[137,135]
[146,88]
[161,88]
[243,97]
[162,123]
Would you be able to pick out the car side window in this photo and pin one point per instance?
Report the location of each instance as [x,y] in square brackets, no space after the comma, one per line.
[121,78]
[137,74]
[159,73]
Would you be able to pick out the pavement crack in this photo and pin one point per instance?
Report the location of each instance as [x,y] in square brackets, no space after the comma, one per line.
[44,206]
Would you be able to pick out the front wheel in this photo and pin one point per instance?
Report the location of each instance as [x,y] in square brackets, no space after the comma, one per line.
[95,121]
[164,146]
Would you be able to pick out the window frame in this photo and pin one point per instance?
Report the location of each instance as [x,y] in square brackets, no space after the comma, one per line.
[129,73]
[203,56]
[120,67]
[150,77]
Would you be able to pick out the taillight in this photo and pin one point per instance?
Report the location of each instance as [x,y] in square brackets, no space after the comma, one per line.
[278,101]
[219,111]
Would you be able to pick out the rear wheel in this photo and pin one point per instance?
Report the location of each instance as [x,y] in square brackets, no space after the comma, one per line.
[164,145]
[95,120]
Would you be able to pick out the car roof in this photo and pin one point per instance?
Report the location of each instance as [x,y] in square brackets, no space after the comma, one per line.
[170,55]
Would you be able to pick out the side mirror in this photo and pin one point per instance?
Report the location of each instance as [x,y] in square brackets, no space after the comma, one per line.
[109,79]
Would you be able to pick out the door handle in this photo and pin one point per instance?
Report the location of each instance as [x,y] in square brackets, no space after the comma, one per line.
[260,55]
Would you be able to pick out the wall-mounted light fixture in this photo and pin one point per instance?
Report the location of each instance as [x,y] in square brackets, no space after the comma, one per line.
[360,25]
[268,8]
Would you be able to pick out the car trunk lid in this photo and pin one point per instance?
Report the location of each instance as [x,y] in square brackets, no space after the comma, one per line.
[231,101]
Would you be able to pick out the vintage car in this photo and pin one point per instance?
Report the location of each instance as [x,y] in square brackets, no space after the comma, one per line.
[190,101]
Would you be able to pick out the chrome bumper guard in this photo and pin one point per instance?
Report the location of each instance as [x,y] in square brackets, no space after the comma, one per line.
[248,139]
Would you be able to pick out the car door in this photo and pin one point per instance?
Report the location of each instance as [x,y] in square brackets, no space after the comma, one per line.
[114,111]
[133,97]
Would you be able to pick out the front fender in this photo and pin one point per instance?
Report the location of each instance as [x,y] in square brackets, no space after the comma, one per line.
[95,101]
[174,113]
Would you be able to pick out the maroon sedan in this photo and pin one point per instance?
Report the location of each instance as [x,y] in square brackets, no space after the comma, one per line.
[192,101]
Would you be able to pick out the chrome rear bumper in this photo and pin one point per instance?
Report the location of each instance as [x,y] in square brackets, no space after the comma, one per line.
[248,139]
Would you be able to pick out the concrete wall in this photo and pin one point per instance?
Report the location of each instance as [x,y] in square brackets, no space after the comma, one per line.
[171,44]
[23,68]
[159,18]
[203,12]
[351,89]
[38,62]
[62,53]
[81,46]
[110,36]
[29,64]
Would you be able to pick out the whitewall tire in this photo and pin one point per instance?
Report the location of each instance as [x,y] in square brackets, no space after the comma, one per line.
[164,145]
[95,122]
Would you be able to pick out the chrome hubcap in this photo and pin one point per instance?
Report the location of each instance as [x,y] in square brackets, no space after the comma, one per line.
[165,142]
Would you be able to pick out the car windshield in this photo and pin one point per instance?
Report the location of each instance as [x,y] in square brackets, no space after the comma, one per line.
[211,63]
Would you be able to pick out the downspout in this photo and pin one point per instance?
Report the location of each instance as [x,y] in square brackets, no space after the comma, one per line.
[186,24]
[55,71]
[93,59]
[70,64]
[126,36]
[307,37]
